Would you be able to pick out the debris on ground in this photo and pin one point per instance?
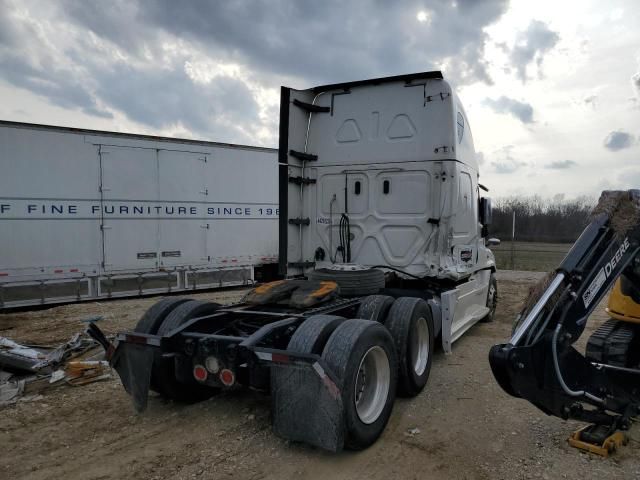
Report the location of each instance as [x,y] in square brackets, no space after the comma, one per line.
[26,370]
[81,373]
[41,358]
[10,391]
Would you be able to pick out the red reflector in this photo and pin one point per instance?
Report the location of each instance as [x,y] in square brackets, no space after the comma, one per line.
[280,358]
[234,260]
[200,373]
[227,377]
[58,271]
[4,274]
[73,270]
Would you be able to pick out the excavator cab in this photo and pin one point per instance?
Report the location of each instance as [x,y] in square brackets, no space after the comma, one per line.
[624,301]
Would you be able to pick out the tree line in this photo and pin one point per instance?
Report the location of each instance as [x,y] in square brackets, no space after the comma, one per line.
[554,220]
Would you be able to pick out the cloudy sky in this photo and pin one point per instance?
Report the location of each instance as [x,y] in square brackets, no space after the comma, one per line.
[551,88]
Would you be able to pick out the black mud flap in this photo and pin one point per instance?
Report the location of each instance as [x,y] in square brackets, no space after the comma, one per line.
[307,405]
[134,362]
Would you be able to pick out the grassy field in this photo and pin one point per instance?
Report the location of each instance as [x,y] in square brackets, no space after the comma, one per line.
[532,256]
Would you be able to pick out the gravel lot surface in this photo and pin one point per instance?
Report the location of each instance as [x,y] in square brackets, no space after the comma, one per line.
[462,426]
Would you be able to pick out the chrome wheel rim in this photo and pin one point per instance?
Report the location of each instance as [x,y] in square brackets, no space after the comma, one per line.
[372,385]
[419,347]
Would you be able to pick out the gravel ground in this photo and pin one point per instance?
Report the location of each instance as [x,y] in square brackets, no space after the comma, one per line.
[461,426]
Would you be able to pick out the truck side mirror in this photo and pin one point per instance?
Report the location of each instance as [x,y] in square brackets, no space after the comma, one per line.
[485,211]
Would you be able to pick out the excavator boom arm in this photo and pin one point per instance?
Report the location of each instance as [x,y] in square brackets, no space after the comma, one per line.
[539,363]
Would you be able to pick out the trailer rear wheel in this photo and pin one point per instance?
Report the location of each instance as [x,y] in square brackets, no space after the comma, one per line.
[155,315]
[492,299]
[411,325]
[362,356]
[375,307]
[164,369]
[312,335]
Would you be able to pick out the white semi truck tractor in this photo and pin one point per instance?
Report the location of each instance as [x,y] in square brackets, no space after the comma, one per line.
[383,250]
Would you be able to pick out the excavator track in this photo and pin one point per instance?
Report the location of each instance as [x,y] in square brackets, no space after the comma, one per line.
[614,343]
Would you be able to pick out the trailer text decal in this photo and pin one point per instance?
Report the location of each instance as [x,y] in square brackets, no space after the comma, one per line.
[66,209]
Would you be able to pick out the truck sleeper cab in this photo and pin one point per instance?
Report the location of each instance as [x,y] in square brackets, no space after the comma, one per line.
[384,173]
[382,246]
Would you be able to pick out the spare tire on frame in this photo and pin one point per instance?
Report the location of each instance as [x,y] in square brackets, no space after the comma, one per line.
[352,283]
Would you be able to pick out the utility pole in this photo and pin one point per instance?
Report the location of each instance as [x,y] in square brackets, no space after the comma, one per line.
[513,237]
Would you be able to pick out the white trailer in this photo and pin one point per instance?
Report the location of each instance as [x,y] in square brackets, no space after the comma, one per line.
[88,214]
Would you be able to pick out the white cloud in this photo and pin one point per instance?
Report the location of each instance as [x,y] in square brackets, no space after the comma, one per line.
[520,110]
[505,162]
[213,70]
[618,140]
[635,83]
[531,46]
[560,164]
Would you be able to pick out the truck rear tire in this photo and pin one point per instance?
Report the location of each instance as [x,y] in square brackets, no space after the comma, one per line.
[411,325]
[155,315]
[352,283]
[375,307]
[153,318]
[362,356]
[492,299]
[312,335]
[163,374]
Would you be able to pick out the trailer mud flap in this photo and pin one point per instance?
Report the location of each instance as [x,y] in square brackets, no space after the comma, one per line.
[307,405]
[132,357]
[134,362]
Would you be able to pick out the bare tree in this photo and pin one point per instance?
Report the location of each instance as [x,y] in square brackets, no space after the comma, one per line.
[541,220]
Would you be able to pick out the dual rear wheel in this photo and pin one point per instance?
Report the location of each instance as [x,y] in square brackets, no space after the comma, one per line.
[410,322]
[389,349]
[361,354]
[163,317]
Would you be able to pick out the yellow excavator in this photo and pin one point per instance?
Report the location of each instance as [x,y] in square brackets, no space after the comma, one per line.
[541,364]
[624,301]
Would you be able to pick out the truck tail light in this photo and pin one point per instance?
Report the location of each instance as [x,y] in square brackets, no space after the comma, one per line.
[227,377]
[200,373]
